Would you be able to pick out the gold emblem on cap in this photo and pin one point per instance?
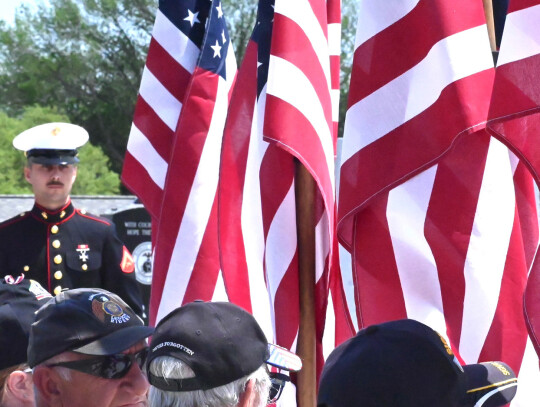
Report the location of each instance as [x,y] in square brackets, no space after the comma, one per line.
[26,268]
[55,131]
[58,275]
[57,290]
[54,229]
[501,368]
[57,259]
[44,215]
[445,344]
[56,243]
[84,267]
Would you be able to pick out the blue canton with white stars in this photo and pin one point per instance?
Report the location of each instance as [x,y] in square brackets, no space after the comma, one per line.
[262,35]
[204,23]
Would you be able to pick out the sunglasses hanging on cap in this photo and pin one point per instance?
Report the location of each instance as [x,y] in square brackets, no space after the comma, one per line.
[278,381]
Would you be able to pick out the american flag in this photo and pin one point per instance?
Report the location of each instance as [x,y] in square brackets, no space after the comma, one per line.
[514,116]
[438,216]
[515,111]
[281,112]
[173,152]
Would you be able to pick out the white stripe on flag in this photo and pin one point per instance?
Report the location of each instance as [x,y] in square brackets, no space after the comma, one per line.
[521,31]
[175,42]
[304,98]
[488,248]
[406,214]
[143,151]
[197,212]
[373,117]
[166,106]
[382,14]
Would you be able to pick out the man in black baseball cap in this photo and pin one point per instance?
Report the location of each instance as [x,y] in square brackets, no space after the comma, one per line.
[87,348]
[214,354]
[405,363]
[19,300]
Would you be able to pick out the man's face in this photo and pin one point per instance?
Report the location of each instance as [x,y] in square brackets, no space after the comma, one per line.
[84,390]
[51,184]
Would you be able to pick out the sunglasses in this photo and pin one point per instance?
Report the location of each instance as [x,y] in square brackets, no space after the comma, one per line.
[278,381]
[107,367]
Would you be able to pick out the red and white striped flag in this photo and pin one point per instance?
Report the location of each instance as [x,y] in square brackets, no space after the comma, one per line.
[172,160]
[437,215]
[514,115]
[281,112]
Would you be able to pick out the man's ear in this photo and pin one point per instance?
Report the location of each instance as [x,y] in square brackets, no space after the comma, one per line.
[46,383]
[21,386]
[248,397]
[27,173]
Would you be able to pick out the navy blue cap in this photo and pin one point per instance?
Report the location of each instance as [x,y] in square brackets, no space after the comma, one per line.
[85,320]
[20,298]
[407,364]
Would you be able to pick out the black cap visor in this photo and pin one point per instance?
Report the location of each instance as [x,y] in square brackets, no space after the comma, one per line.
[489,384]
[116,342]
[52,157]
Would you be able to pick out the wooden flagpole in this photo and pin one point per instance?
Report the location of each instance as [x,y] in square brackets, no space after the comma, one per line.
[305,226]
[490,20]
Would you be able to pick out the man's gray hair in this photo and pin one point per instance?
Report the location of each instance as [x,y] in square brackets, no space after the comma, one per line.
[64,372]
[227,395]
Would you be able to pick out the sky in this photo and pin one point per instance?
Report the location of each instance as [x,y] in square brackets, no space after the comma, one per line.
[7,8]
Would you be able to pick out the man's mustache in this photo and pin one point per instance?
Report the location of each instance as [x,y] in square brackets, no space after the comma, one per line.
[55,183]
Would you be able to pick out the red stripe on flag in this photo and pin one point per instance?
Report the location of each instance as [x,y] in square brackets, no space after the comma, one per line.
[457,186]
[389,54]
[400,146]
[202,282]
[155,130]
[175,78]
[378,290]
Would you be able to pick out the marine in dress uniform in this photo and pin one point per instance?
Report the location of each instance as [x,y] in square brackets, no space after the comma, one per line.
[56,244]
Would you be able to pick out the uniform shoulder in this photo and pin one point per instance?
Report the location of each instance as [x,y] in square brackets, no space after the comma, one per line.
[14,219]
[92,217]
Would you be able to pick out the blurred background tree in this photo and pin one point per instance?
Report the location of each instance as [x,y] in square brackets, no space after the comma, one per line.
[94,176]
[82,60]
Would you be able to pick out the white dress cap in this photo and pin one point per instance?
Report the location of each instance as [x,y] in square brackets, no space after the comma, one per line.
[55,136]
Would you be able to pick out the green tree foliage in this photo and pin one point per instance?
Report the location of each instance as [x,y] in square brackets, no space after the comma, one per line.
[84,59]
[348,30]
[94,177]
[241,17]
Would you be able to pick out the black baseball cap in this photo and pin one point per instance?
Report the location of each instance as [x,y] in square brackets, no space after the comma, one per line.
[19,300]
[219,341]
[405,363]
[85,320]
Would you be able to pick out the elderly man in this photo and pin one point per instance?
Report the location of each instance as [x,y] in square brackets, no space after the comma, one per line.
[54,243]
[214,355]
[87,348]
[19,300]
[407,364]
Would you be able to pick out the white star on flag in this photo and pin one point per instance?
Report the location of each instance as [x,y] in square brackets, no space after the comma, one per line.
[217,49]
[223,37]
[192,17]
[219,11]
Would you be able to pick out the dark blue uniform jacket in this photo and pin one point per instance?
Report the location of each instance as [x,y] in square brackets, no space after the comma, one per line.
[68,248]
